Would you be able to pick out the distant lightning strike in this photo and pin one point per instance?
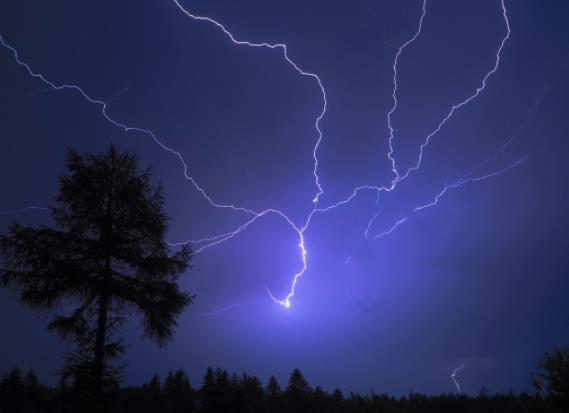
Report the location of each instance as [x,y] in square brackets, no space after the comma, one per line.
[208,242]
[453,378]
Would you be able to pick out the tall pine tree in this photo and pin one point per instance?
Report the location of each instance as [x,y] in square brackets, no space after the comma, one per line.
[107,259]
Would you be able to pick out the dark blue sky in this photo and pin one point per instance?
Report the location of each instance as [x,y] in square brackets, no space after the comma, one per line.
[480,279]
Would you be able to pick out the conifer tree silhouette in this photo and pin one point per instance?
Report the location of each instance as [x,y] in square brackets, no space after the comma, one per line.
[107,258]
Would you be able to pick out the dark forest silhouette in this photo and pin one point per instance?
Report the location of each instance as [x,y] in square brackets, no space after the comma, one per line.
[107,260]
[223,393]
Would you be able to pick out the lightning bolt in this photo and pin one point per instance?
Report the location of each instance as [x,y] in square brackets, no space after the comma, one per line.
[394,94]
[208,242]
[25,209]
[126,128]
[212,240]
[216,240]
[468,178]
[295,66]
[453,378]
[447,188]
[517,133]
[430,135]
[234,306]
[469,99]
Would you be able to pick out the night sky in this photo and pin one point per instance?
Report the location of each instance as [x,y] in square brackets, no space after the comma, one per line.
[481,279]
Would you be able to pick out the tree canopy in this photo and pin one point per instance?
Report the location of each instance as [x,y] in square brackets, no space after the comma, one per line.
[552,380]
[105,259]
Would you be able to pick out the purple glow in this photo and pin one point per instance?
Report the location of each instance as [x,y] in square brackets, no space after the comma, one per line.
[211,241]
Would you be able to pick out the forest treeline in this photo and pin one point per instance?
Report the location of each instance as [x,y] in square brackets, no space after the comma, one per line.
[221,392]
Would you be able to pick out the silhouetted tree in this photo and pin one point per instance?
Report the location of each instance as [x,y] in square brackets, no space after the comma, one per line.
[224,392]
[273,387]
[11,391]
[178,393]
[35,393]
[250,394]
[320,401]
[22,393]
[107,258]
[297,392]
[553,378]
[153,392]
[273,395]
[208,392]
[297,383]
[337,401]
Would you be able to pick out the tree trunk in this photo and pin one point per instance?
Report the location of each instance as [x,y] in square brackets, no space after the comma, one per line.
[101,336]
[99,361]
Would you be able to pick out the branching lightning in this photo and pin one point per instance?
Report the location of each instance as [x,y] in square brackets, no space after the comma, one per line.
[449,115]
[203,244]
[469,99]
[447,188]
